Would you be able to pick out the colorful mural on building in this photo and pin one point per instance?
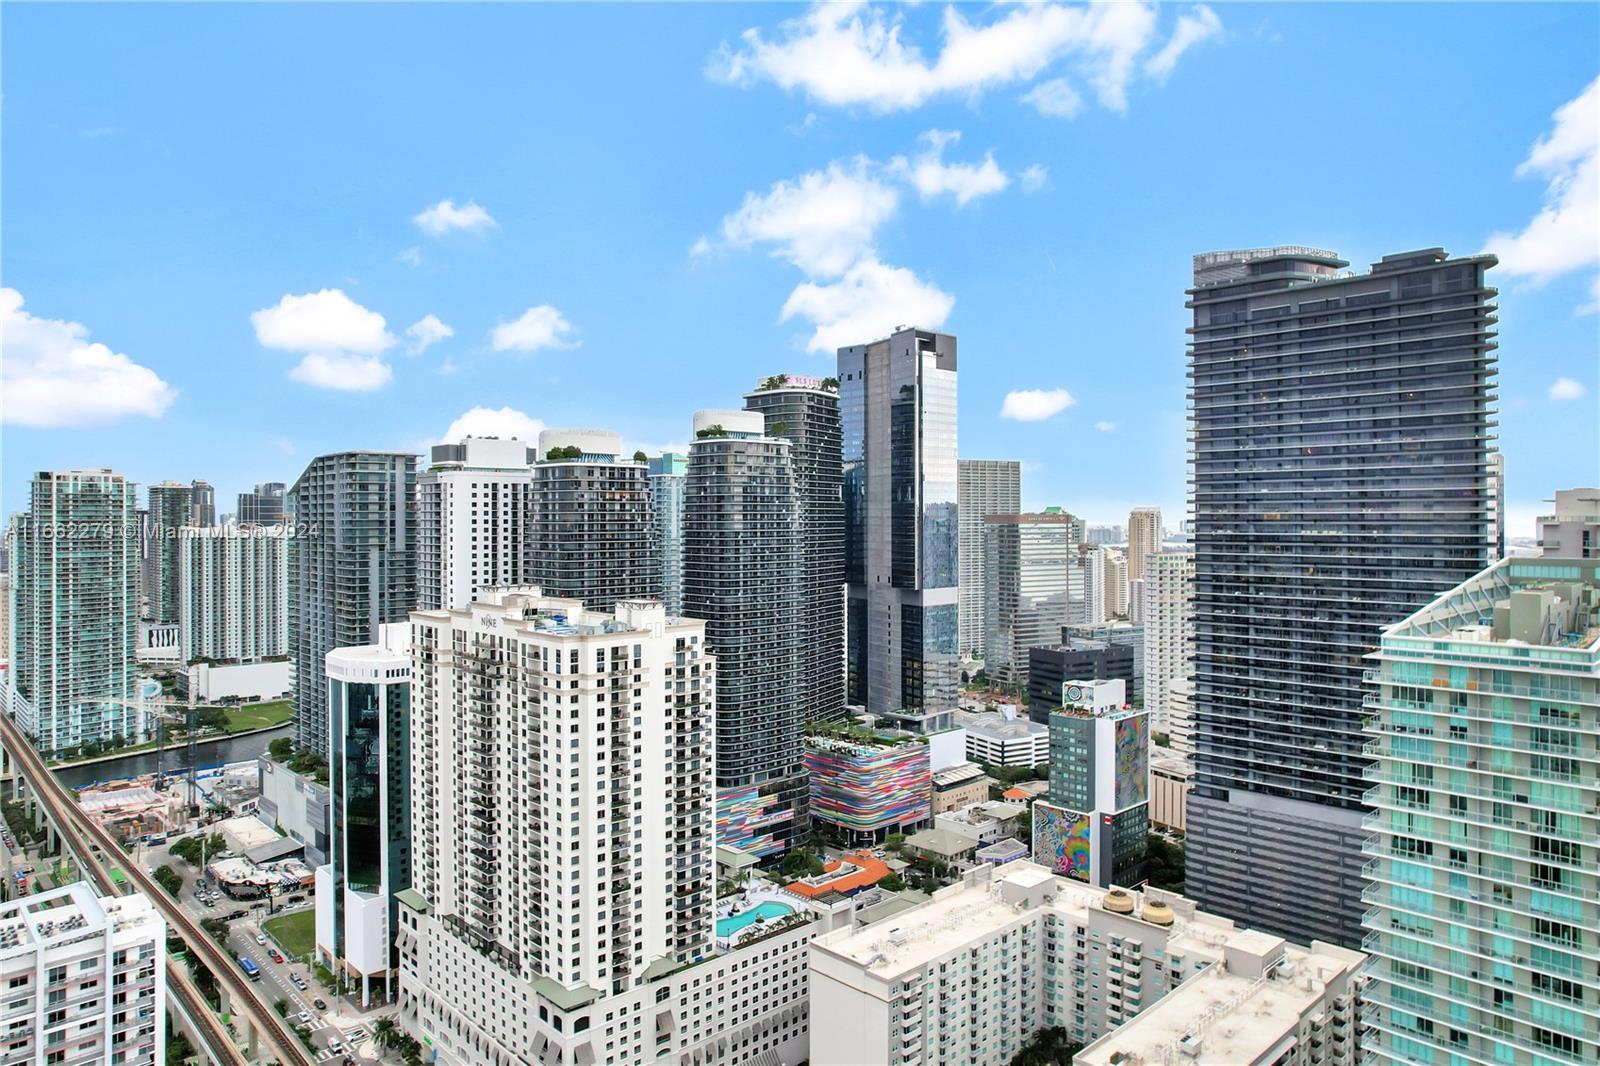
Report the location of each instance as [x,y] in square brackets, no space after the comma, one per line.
[753,822]
[1062,841]
[1133,761]
[864,788]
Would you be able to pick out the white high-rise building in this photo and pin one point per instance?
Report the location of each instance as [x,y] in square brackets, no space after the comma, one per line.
[233,593]
[562,825]
[1168,629]
[1180,717]
[85,978]
[968,977]
[1116,582]
[1144,538]
[1086,584]
[983,487]
[472,520]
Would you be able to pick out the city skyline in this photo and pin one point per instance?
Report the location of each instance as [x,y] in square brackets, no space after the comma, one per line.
[1005,236]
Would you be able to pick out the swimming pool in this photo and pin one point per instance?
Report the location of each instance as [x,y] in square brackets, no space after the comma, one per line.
[726,927]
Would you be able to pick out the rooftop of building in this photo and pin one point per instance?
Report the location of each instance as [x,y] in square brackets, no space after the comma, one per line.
[1520,601]
[849,874]
[942,842]
[779,382]
[998,726]
[528,609]
[962,773]
[986,813]
[989,898]
[1005,850]
[1229,1014]
[72,912]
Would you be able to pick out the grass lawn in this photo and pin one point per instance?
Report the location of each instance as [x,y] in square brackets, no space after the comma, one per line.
[259,715]
[297,932]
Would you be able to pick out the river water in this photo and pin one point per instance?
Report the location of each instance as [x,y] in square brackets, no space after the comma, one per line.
[235,749]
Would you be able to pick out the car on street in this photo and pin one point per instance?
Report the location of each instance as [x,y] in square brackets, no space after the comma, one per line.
[234,916]
[261,938]
[305,1017]
[272,954]
[320,1003]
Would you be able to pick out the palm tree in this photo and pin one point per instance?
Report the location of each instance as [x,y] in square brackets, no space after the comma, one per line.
[385,1033]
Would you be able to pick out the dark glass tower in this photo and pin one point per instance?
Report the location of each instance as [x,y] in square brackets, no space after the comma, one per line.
[897,398]
[1341,481]
[743,577]
[589,535]
[805,412]
[352,566]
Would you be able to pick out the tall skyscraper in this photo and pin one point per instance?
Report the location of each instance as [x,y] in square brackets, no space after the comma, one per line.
[667,477]
[898,398]
[742,578]
[589,535]
[1118,587]
[805,412]
[369,794]
[171,509]
[583,866]
[1088,594]
[1144,537]
[1026,565]
[75,608]
[983,487]
[233,593]
[1482,858]
[352,566]
[1168,629]
[472,520]
[264,506]
[1341,481]
[1095,824]
[203,503]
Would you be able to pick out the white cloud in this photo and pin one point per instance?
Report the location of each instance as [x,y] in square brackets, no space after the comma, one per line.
[1035,405]
[347,373]
[53,376]
[701,247]
[1192,28]
[821,222]
[1055,98]
[538,327]
[505,422]
[868,301]
[1033,179]
[859,55]
[931,176]
[1565,235]
[445,216]
[426,332]
[341,341]
[411,257]
[1105,427]
[1564,389]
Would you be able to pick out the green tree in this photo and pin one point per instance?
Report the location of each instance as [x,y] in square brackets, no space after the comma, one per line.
[282,1007]
[892,883]
[894,841]
[801,863]
[179,1050]
[1047,1047]
[169,879]
[640,457]
[280,749]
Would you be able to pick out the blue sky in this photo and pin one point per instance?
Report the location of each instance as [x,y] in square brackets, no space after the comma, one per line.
[647,208]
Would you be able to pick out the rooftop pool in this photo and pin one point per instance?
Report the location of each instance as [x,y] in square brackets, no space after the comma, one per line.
[727,927]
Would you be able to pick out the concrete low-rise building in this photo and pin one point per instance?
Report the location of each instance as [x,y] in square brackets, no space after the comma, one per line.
[968,977]
[207,683]
[957,786]
[986,822]
[85,978]
[1171,781]
[297,805]
[1004,738]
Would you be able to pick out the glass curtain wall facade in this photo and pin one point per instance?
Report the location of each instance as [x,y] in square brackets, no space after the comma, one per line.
[264,506]
[1483,861]
[667,473]
[805,412]
[589,532]
[984,487]
[898,401]
[75,609]
[1025,585]
[1341,480]
[369,783]
[171,509]
[352,566]
[743,578]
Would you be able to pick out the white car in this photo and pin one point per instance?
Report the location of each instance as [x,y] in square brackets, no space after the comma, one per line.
[261,938]
[305,1017]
